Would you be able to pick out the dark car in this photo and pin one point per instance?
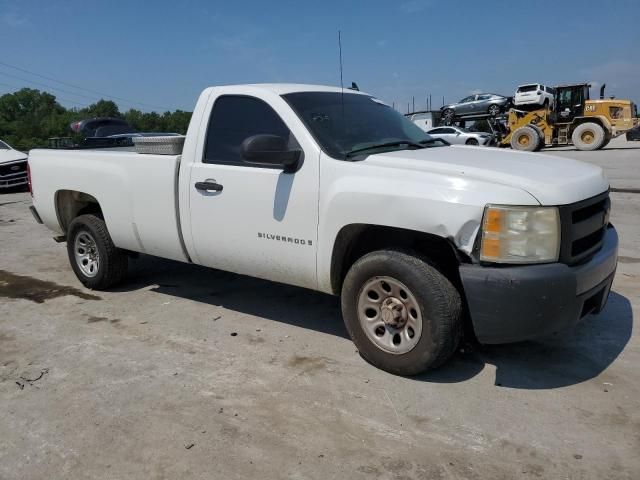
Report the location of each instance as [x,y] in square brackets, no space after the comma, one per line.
[101,127]
[477,104]
[633,134]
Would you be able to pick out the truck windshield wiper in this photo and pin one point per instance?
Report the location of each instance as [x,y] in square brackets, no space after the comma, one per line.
[396,143]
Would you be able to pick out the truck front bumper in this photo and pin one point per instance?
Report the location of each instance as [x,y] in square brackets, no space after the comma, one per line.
[515,303]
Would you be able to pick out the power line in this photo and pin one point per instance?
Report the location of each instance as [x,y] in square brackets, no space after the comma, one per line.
[56,97]
[47,86]
[95,92]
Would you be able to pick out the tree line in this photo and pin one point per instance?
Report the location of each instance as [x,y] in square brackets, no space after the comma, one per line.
[28,118]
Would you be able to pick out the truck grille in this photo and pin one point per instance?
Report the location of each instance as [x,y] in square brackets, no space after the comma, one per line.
[583,225]
[13,168]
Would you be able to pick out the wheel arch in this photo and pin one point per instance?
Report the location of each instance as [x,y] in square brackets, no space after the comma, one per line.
[356,240]
[72,203]
[597,119]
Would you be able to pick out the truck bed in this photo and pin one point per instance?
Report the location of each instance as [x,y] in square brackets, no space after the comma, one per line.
[136,192]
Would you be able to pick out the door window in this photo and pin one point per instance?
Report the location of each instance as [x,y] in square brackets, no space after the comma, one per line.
[235,118]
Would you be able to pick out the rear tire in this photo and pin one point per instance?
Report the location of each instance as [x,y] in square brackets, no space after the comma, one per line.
[95,260]
[588,136]
[409,326]
[605,143]
[526,139]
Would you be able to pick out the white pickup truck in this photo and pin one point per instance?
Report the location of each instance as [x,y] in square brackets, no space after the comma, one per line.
[337,192]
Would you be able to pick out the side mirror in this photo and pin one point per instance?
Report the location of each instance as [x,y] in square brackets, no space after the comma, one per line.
[270,150]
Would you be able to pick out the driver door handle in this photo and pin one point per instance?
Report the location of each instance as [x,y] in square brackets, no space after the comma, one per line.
[208,186]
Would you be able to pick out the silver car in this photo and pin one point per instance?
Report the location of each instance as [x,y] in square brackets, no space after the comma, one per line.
[461,136]
[479,104]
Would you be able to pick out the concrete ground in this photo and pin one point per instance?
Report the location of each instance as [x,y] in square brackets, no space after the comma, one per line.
[185,372]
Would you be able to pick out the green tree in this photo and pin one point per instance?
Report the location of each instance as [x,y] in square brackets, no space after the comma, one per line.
[28,118]
[102,108]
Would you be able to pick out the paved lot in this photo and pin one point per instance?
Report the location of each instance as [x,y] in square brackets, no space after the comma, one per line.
[192,373]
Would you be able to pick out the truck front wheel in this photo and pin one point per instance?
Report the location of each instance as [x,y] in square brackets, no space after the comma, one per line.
[95,260]
[403,315]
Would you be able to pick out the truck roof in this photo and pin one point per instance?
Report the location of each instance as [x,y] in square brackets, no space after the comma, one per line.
[284,88]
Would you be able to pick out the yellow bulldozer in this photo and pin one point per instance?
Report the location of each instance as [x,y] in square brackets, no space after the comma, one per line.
[572,119]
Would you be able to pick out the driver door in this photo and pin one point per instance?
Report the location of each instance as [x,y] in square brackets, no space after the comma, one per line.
[466,105]
[449,134]
[258,220]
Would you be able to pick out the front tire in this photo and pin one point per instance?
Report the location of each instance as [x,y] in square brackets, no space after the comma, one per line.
[95,260]
[403,315]
[526,139]
[472,141]
[494,110]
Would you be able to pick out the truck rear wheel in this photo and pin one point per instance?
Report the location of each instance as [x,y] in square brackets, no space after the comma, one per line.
[525,138]
[588,136]
[403,315]
[95,260]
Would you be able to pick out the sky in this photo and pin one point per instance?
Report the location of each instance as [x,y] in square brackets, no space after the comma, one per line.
[159,55]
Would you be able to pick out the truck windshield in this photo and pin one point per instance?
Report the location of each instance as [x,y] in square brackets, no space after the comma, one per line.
[344,125]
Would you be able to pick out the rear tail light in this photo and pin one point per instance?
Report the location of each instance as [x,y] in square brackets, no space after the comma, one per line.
[75,126]
[29,179]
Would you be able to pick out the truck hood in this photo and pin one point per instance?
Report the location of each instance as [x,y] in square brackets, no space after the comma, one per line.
[11,156]
[551,180]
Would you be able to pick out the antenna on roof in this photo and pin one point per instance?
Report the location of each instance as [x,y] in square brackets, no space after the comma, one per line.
[341,85]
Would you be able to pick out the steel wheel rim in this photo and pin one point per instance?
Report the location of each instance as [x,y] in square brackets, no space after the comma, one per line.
[587,136]
[86,254]
[389,315]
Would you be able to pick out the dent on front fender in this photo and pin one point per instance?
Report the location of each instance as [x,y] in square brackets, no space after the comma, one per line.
[465,238]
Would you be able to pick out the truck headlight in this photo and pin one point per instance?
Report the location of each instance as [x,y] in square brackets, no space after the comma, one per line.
[520,234]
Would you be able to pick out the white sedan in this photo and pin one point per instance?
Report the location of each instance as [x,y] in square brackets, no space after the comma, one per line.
[461,136]
[13,167]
